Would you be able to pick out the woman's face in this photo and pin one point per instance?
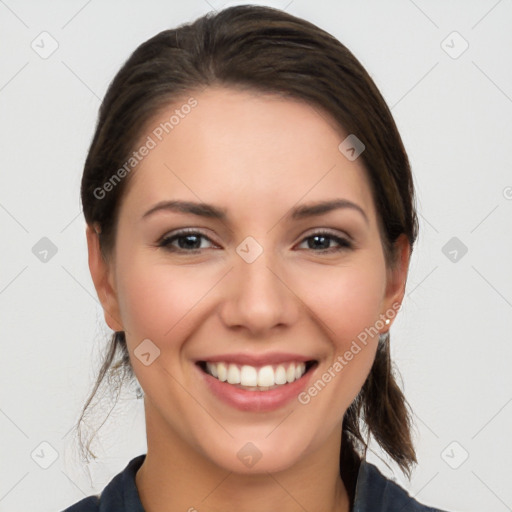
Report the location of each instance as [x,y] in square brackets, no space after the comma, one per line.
[251,295]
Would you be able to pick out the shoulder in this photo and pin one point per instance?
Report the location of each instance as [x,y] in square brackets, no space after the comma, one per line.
[377,493]
[89,504]
[120,495]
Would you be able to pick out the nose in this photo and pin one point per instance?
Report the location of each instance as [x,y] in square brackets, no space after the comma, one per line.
[258,298]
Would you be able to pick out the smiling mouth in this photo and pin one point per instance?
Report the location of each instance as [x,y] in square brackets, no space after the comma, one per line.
[257,378]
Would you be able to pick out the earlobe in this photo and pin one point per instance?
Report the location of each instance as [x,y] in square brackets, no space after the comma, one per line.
[102,277]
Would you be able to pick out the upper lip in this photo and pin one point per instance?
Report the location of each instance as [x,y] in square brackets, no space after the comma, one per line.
[256,359]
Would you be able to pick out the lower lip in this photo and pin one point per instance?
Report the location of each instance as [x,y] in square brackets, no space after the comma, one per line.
[256,401]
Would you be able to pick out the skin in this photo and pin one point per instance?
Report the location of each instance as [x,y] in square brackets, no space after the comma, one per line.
[257,156]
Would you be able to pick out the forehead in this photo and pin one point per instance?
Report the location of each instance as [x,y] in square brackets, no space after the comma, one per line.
[245,150]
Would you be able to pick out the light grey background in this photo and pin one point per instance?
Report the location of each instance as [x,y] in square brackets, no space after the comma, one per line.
[452,340]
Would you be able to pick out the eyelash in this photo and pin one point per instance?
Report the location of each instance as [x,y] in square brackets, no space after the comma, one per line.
[166,241]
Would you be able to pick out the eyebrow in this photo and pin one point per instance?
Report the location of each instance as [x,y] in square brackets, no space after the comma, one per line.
[214,212]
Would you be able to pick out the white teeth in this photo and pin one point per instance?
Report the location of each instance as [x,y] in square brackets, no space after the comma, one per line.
[248,376]
[266,376]
[212,368]
[222,371]
[290,373]
[261,378]
[233,374]
[280,375]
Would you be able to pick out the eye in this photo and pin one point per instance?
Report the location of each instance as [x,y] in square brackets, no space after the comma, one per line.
[188,241]
[321,240]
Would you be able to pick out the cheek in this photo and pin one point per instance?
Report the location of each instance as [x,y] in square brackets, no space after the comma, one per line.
[163,304]
[347,302]
[346,298]
[157,301]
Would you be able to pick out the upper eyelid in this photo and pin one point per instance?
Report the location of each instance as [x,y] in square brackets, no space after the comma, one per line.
[184,232]
[329,231]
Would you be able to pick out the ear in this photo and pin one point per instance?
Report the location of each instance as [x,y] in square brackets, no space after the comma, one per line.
[102,276]
[397,278]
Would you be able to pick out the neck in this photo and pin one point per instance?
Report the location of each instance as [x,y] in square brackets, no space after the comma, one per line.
[174,476]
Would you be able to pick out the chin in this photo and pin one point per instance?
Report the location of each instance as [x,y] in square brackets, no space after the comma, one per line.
[260,455]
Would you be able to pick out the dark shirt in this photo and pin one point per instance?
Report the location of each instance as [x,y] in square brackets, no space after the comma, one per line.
[374,493]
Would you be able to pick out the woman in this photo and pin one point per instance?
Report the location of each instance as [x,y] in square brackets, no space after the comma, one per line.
[250,220]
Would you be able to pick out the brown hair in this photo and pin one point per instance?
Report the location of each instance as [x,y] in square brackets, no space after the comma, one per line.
[267,50]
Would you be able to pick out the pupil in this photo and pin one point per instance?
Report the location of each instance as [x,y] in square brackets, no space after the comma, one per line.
[188,238]
[321,237]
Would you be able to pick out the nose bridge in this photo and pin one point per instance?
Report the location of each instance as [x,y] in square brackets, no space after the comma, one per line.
[259,299]
[255,280]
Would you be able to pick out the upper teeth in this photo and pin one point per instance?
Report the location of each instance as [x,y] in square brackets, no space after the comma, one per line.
[264,376]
